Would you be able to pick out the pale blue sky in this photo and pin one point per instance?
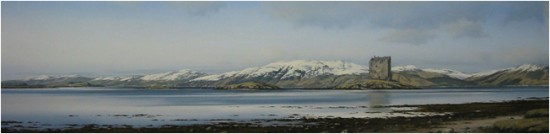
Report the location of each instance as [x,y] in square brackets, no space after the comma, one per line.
[123,38]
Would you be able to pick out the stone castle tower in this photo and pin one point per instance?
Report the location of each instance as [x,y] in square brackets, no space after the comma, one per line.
[380,68]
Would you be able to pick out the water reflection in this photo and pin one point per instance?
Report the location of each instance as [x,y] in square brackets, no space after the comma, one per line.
[58,107]
[377,98]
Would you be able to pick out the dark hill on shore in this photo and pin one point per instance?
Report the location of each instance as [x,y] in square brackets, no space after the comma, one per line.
[248,85]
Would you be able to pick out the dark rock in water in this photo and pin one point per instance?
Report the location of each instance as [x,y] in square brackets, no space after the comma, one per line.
[248,85]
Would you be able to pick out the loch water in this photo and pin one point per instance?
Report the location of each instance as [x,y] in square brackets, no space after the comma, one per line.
[62,107]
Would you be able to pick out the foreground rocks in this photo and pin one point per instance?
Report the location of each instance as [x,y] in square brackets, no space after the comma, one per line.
[534,121]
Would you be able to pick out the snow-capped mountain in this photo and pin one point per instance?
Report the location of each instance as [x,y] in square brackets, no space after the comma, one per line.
[40,77]
[183,74]
[216,77]
[462,76]
[448,72]
[51,77]
[292,69]
[172,78]
[484,73]
[529,68]
[404,68]
[119,78]
[300,74]
[526,74]
[108,78]
[520,68]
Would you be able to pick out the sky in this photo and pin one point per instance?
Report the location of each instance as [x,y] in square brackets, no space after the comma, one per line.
[125,38]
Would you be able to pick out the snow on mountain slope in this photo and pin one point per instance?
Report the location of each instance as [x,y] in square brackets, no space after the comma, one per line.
[130,78]
[448,72]
[485,73]
[50,77]
[40,77]
[183,74]
[528,67]
[404,68]
[312,68]
[296,68]
[216,77]
[119,78]
[526,74]
[522,68]
[108,78]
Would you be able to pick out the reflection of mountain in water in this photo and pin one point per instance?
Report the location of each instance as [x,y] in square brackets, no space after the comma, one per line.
[377,98]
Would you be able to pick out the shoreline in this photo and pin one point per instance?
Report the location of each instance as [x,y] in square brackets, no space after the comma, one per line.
[290,88]
[484,113]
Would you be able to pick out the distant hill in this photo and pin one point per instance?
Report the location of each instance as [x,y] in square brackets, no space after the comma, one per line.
[304,74]
[167,79]
[50,81]
[410,75]
[297,69]
[527,74]
[248,85]
[290,74]
[373,84]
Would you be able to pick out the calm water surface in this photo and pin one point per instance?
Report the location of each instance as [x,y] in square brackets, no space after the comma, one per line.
[55,107]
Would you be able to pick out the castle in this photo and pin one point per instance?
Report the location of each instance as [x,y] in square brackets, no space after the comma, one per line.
[380,68]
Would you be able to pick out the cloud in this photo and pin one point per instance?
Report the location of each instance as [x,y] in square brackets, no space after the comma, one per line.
[409,36]
[465,28]
[381,14]
[508,56]
[523,54]
[519,11]
[458,19]
[324,14]
[198,7]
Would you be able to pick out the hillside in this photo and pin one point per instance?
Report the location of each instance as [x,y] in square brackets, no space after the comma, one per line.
[527,74]
[290,74]
[373,84]
[297,69]
[248,85]
[49,81]
[410,75]
[302,74]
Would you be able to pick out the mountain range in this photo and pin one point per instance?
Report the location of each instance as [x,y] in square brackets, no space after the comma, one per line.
[303,74]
